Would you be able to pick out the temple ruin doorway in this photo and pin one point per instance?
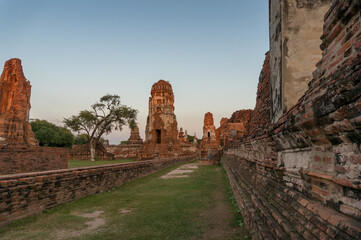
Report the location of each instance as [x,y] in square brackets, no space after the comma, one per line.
[159,135]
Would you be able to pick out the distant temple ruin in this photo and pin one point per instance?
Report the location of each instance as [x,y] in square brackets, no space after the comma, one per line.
[161,134]
[128,150]
[209,144]
[134,136]
[232,129]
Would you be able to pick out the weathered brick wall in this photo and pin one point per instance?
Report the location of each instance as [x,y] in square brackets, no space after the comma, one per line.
[25,194]
[20,159]
[260,118]
[274,211]
[313,149]
[124,150]
[82,152]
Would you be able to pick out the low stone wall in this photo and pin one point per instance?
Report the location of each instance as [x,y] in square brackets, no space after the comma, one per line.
[123,151]
[20,159]
[26,194]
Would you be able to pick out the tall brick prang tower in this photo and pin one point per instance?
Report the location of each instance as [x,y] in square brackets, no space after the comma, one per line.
[209,143]
[161,134]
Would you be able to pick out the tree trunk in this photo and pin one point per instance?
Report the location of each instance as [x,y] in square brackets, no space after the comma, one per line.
[92,150]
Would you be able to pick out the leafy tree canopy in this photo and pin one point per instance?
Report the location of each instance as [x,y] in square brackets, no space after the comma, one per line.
[104,117]
[83,139]
[48,134]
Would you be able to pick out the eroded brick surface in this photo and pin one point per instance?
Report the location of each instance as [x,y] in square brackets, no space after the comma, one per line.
[82,152]
[15,93]
[310,158]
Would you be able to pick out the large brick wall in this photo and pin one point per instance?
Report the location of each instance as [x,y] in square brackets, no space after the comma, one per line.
[20,159]
[311,157]
[274,211]
[25,194]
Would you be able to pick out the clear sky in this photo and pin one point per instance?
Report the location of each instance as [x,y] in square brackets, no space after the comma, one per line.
[73,52]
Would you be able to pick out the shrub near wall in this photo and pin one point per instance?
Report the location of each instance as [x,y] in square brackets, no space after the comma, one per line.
[22,195]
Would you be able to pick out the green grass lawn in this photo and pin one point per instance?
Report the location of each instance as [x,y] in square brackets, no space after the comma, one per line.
[148,208]
[84,163]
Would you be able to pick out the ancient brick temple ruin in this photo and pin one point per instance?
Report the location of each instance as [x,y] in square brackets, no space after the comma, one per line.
[134,136]
[181,136]
[232,129]
[15,92]
[161,134]
[296,171]
[82,152]
[19,151]
[189,148]
[130,149]
[209,144]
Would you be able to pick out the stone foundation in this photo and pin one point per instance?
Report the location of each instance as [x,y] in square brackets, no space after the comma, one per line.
[26,194]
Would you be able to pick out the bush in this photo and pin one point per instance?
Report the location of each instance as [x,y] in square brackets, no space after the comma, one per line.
[49,134]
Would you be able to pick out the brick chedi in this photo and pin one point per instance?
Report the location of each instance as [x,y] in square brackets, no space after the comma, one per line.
[188,147]
[209,143]
[134,136]
[127,150]
[15,93]
[186,139]
[181,135]
[161,134]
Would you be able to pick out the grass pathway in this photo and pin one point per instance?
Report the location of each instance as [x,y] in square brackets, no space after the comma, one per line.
[194,207]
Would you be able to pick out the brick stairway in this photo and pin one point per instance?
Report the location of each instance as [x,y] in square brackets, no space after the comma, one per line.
[272,210]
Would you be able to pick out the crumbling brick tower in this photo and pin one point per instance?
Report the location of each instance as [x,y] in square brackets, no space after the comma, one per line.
[15,93]
[209,143]
[134,136]
[19,150]
[161,134]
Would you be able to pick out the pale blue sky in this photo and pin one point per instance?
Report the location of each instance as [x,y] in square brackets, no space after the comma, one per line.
[73,52]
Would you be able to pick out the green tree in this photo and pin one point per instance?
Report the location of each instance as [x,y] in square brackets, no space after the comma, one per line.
[49,134]
[104,117]
[81,139]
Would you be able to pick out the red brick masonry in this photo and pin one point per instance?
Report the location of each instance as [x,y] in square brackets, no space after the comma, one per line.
[300,177]
[26,194]
[19,159]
